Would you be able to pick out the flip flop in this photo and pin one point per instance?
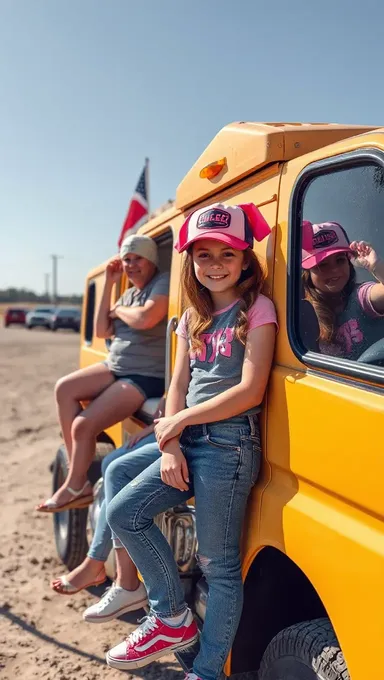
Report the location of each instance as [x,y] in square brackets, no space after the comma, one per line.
[64,587]
[79,501]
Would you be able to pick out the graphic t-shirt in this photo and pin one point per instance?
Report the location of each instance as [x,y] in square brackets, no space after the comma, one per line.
[359,326]
[218,366]
[140,352]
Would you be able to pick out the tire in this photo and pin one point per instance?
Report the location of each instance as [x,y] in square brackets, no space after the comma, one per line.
[70,526]
[53,328]
[29,327]
[305,651]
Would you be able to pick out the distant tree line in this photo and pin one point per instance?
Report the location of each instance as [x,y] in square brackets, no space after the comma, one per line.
[14,295]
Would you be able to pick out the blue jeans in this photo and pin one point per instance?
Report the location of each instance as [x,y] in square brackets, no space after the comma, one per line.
[118,469]
[223,461]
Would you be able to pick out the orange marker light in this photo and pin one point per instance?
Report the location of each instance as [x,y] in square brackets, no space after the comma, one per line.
[213,169]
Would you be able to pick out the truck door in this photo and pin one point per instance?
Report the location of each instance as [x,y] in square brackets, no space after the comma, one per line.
[324,504]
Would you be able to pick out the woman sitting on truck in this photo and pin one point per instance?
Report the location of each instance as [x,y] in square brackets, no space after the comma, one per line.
[133,372]
[350,315]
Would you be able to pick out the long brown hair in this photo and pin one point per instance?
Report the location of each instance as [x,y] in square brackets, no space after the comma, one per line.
[199,300]
[326,313]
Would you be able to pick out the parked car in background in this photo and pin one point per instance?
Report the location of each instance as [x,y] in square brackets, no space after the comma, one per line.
[41,316]
[66,317]
[14,315]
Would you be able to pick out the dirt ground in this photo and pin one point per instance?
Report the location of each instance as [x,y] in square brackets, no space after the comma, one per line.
[42,634]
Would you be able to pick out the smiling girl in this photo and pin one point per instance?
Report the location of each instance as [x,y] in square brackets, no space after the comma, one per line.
[351,316]
[209,439]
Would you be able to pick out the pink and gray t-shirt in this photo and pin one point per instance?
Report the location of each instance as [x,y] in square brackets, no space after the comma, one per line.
[218,367]
[359,326]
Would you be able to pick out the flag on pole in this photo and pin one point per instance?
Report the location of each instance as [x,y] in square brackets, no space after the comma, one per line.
[138,207]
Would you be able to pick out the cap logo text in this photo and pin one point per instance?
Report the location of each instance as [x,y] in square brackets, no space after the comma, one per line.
[213,219]
[325,238]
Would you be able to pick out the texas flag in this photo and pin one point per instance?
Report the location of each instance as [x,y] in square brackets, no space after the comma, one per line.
[138,207]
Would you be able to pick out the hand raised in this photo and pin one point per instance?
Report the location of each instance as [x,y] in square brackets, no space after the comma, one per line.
[114,270]
[364,255]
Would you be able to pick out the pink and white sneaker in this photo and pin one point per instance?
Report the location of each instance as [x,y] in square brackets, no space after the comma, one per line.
[151,640]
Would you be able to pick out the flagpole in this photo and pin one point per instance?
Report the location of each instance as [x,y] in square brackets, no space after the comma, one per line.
[147,184]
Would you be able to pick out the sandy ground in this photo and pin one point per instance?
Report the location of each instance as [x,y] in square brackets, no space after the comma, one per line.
[42,635]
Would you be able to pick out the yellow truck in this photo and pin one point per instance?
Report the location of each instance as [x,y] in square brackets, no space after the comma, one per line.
[313,539]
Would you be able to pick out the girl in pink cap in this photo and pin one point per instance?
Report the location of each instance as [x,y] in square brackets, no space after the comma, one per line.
[209,439]
[351,316]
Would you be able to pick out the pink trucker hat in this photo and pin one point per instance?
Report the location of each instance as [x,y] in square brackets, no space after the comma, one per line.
[235,225]
[322,240]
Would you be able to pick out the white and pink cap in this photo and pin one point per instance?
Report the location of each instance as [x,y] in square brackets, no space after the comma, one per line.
[235,225]
[321,241]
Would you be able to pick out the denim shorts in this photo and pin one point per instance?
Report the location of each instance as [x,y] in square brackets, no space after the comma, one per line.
[148,386]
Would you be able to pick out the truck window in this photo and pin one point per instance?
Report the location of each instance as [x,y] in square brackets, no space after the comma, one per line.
[338,291]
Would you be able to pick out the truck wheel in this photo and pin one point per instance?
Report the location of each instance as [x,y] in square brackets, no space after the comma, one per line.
[305,651]
[70,526]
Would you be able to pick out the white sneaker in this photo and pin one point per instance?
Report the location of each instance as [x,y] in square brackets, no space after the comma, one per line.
[115,602]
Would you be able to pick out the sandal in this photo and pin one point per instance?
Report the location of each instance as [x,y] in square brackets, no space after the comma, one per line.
[79,501]
[64,587]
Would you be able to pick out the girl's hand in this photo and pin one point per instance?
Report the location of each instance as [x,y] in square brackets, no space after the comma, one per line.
[174,468]
[114,270]
[364,255]
[166,429]
[136,438]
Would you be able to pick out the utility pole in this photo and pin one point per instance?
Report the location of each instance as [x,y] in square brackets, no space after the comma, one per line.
[55,258]
[46,287]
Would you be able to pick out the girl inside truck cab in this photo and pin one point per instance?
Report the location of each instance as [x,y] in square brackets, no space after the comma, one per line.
[133,372]
[350,316]
[209,439]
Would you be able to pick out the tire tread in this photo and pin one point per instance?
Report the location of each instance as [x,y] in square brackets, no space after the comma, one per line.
[315,643]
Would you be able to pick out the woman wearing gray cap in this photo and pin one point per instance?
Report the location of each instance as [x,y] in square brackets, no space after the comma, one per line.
[132,373]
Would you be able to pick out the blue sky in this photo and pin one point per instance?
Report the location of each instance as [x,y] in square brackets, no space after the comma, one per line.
[89,88]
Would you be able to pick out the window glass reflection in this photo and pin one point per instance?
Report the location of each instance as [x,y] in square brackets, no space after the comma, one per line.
[342,305]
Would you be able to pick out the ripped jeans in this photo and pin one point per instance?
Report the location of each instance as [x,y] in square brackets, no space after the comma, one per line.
[223,461]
